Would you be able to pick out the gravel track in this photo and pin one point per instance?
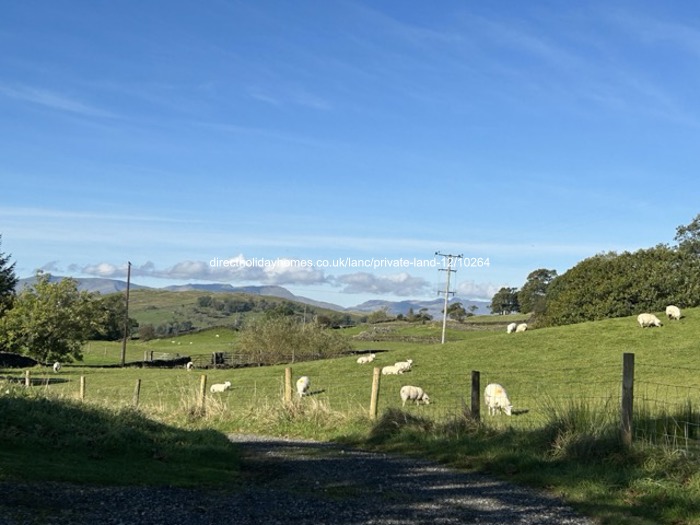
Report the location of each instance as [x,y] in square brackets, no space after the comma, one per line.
[299,482]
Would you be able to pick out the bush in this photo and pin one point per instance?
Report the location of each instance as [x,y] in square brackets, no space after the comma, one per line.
[276,340]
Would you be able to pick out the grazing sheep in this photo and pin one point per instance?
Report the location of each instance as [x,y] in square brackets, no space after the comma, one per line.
[497,399]
[363,360]
[521,327]
[511,328]
[413,393]
[303,384]
[189,365]
[645,320]
[404,366]
[56,366]
[220,387]
[391,370]
[673,312]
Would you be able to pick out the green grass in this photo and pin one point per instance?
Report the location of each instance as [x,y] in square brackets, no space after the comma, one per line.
[50,439]
[564,382]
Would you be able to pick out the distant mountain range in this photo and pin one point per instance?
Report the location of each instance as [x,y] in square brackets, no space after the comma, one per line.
[434,307]
[107,286]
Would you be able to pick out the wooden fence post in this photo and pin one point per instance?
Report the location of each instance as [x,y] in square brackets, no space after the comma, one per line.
[288,385]
[627,398]
[375,393]
[82,388]
[202,392]
[476,395]
[27,378]
[137,393]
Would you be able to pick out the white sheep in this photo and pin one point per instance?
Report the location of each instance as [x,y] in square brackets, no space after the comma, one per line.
[521,327]
[392,370]
[404,366]
[413,393]
[497,400]
[673,312]
[645,320]
[189,366]
[511,328]
[56,366]
[220,387]
[303,384]
[364,359]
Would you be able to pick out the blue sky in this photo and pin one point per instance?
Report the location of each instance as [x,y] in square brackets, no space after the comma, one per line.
[286,136]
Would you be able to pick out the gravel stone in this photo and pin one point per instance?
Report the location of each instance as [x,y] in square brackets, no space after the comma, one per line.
[301,482]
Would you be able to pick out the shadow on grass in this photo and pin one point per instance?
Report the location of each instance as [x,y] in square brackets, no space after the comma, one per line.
[59,440]
[587,466]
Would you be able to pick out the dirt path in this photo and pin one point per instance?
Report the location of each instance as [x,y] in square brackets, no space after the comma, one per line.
[299,482]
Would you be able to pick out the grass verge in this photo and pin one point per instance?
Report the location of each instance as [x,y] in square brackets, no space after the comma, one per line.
[61,440]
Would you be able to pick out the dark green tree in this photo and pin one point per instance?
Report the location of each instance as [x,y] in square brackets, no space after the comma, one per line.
[505,301]
[111,309]
[688,237]
[531,296]
[617,285]
[8,281]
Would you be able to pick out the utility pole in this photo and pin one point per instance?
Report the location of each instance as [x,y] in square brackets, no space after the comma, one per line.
[126,314]
[450,258]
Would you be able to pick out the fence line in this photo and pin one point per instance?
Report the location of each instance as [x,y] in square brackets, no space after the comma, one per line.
[648,410]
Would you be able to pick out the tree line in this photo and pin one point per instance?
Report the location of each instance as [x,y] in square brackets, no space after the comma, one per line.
[611,284]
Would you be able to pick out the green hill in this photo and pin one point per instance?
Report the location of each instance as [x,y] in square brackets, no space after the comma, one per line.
[197,309]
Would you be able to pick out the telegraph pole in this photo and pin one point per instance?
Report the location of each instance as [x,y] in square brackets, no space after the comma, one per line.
[126,314]
[450,258]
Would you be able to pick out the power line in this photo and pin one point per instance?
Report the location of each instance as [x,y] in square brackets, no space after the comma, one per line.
[447,291]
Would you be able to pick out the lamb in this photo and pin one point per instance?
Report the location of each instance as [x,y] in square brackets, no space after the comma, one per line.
[413,393]
[404,366]
[511,328]
[363,360]
[521,327]
[56,366]
[303,384]
[673,312]
[645,320]
[220,387]
[189,366]
[497,400]
[391,370]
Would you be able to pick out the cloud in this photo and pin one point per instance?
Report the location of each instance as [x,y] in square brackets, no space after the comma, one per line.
[281,271]
[52,100]
[474,290]
[402,284]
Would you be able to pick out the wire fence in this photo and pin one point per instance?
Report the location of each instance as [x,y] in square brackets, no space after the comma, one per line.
[666,413]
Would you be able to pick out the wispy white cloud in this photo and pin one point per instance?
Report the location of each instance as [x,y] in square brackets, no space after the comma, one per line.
[53,100]
[49,213]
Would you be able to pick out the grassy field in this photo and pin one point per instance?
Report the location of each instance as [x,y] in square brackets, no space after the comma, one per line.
[564,383]
[156,307]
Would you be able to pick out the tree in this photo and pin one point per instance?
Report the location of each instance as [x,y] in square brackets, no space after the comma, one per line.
[688,237]
[457,312]
[531,296]
[618,285]
[50,321]
[8,281]
[112,310]
[505,301]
